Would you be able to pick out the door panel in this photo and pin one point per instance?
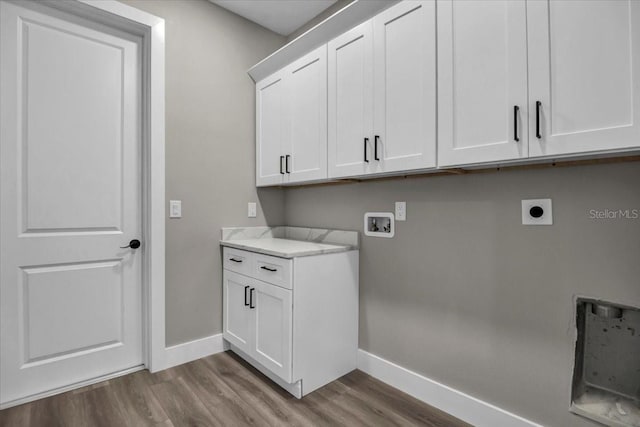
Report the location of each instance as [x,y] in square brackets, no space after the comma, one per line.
[273,328]
[270,132]
[306,81]
[55,325]
[482,75]
[587,81]
[237,326]
[92,134]
[350,120]
[405,86]
[70,187]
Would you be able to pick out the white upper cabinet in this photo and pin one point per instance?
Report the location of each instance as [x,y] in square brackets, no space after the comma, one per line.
[405,87]
[350,121]
[306,141]
[291,122]
[270,130]
[584,70]
[482,81]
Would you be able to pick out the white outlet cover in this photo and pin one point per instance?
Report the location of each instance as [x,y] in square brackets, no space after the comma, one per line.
[547,215]
[401,211]
[175,208]
[252,210]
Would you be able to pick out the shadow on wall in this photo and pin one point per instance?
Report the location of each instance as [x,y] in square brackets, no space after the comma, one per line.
[271,201]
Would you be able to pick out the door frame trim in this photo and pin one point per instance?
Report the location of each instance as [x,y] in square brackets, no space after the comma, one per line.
[151,29]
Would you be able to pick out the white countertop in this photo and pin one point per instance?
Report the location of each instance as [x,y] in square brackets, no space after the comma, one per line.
[286,248]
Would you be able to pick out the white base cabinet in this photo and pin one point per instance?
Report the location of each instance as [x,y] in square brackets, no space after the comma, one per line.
[295,319]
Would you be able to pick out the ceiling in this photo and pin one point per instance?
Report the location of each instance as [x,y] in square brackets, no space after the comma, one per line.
[280,16]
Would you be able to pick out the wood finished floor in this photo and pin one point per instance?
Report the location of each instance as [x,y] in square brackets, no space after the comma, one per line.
[223,390]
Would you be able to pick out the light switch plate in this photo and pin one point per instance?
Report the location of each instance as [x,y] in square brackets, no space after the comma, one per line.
[537,212]
[401,211]
[175,208]
[252,210]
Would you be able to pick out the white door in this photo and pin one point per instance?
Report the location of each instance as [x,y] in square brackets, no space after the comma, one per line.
[238,317]
[306,141]
[350,102]
[482,81]
[405,87]
[584,70]
[270,130]
[273,328]
[70,197]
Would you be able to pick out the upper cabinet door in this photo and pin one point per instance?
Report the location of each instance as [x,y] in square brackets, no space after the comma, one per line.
[584,69]
[350,109]
[405,87]
[306,141]
[270,132]
[482,81]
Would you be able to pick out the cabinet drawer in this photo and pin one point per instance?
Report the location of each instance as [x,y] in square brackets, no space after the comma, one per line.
[238,261]
[274,270]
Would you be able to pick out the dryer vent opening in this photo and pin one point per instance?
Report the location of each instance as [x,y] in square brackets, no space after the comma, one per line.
[606,375]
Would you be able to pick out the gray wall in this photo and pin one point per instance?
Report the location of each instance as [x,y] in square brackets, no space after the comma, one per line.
[468,296]
[210,151]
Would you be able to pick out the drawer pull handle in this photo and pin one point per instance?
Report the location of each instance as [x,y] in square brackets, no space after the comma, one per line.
[235,260]
[269,269]
[251,298]
[245,295]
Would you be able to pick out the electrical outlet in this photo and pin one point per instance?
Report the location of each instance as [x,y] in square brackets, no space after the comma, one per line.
[537,212]
[401,211]
[252,210]
[175,208]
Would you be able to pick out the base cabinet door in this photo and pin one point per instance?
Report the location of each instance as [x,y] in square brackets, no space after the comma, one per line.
[405,87]
[273,328]
[237,320]
[584,76]
[482,81]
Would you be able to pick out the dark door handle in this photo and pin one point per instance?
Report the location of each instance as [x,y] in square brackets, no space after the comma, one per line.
[286,163]
[134,244]
[538,106]
[281,159]
[366,141]
[516,109]
[269,269]
[375,147]
[251,298]
[235,260]
[245,295]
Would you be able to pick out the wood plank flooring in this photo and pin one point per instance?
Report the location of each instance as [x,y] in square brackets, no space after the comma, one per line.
[223,390]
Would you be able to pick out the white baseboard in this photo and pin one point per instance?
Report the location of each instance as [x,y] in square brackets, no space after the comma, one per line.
[460,405]
[193,350]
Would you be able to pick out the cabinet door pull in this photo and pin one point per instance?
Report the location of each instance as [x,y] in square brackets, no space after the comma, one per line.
[516,109]
[366,141]
[245,295]
[286,163]
[281,159]
[375,147]
[235,260]
[269,269]
[251,298]
[538,106]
